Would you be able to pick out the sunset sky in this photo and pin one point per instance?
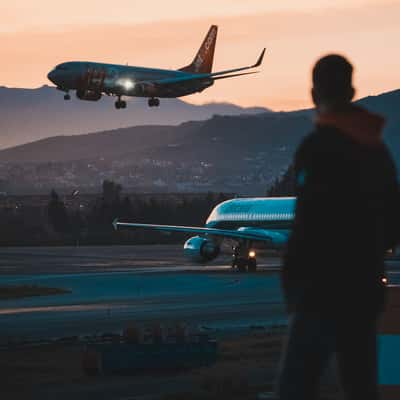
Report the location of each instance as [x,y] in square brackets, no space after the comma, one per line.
[37,34]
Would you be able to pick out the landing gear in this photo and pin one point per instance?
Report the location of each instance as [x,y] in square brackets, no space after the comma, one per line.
[251,264]
[244,259]
[154,102]
[120,103]
[241,264]
[67,96]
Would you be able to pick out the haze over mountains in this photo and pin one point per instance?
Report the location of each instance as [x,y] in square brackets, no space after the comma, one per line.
[242,154]
[27,115]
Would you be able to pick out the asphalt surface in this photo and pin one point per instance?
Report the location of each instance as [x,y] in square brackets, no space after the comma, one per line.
[113,287]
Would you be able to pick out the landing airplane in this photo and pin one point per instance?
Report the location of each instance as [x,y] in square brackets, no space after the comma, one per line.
[267,220]
[90,79]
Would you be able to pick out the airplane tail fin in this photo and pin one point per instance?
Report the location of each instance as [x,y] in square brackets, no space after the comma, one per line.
[202,63]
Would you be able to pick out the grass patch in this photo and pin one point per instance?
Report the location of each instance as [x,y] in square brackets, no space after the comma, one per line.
[17,292]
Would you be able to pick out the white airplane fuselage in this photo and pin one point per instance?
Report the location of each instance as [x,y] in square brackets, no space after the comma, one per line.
[262,212]
[265,220]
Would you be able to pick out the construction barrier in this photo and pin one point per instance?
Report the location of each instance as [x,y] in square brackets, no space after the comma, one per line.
[134,352]
[389,347]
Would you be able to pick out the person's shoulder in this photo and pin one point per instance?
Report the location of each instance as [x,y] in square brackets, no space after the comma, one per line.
[321,138]
[383,156]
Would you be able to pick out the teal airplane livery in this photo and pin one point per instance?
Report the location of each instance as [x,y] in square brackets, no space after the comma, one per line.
[90,80]
[266,220]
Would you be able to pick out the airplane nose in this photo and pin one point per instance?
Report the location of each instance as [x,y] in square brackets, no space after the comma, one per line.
[51,76]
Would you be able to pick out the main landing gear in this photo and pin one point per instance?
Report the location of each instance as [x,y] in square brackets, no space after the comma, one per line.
[244,258]
[67,96]
[154,102]
[120,103]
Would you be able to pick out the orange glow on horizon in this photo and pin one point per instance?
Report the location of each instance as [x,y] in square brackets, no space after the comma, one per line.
[295,34]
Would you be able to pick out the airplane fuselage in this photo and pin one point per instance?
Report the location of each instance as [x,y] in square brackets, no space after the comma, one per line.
[91,80]
[264,220]
[275,213]
[267,221]
[120,80]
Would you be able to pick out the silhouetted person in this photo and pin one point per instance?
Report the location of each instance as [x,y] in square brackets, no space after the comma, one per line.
[346,219]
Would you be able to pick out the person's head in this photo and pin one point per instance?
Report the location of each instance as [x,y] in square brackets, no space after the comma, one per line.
[332,82]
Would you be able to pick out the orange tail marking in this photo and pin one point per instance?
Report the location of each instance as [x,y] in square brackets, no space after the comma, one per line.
[203,61]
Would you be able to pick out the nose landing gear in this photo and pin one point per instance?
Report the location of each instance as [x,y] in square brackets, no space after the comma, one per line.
[154,102]
[120,103]
[244,259]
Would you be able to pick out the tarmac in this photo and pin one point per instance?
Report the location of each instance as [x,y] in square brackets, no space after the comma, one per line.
[112,287]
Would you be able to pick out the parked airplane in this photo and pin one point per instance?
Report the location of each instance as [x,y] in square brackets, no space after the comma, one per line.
[246,221]
[91,79]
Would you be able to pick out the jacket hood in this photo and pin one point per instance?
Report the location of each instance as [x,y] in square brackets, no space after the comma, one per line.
[359,124]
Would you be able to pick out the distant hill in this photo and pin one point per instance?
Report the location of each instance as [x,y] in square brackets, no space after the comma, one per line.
[27,115]
[242,154]
[388,105]
[221,135]
[222,140]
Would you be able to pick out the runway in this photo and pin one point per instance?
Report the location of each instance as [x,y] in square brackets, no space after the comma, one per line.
[137,284]
[58,260]
[112,287]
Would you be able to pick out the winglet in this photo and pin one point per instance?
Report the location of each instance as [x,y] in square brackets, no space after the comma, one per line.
[260,59]
[115,224]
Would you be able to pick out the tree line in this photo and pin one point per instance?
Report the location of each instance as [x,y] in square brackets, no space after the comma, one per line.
[58,223]
[285,185]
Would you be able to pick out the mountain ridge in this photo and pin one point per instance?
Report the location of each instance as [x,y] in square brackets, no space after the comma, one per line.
[27,115]
[386,103]
[238,154]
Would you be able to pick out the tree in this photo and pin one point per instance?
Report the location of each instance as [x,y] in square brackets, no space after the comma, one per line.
[111,192]
[57,213]
[285,186]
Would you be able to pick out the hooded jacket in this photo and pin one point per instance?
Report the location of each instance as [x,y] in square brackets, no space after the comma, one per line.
[346,215]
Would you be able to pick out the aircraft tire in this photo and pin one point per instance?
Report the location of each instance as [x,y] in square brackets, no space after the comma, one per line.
[252,265]
[154,102]
[241,265]
[123,104]
[118,105]
[234,262]
[67,97]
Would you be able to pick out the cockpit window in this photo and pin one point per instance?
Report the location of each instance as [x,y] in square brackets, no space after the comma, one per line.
[61,67]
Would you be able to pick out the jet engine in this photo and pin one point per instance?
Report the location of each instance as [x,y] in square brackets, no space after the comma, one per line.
[200,249]
[87,94]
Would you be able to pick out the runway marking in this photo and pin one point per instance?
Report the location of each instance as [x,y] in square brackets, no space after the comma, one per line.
[79,307]
[133,271]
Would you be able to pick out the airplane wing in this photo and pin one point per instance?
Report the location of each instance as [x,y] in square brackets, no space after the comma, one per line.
[229,71]
[234,75]
[256,234]
[218,75]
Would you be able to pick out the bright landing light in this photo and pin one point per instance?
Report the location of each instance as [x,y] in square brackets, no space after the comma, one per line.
[128,84]
[252,253]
